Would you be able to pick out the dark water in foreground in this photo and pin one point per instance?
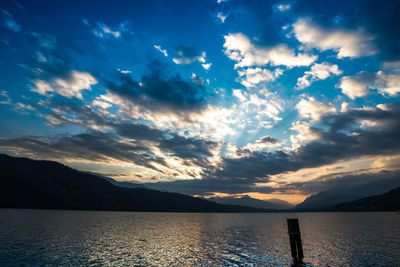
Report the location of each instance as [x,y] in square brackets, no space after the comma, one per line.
[62,238]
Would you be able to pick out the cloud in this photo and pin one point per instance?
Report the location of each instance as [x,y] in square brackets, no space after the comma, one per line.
[85,21]
[94,146]
[310,108]
[163,51]
[305,134]
[124,71]
[164,152]
[239,48]
[222,17]
[8,21]
[251,77]
[122,30]
[134,144]
[52,58]
[262,143]
[197,80]
[101,104]
[386,81]
[356,86]
[187,55]
[347,43]
[258,109]
[5,98]
[330,146]
[208,185]
[283,7]
[206,66]
[155,92]
[69,86]
[320,71]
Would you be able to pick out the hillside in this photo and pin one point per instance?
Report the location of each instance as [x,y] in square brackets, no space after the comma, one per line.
[345,193]
[252,202]
[389,201]
[27,183]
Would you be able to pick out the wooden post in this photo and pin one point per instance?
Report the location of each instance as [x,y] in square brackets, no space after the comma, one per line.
[295,242]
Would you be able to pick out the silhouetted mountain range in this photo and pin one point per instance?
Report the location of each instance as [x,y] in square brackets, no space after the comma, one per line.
[252,202]
[340,194]
[389,201]
[27,183]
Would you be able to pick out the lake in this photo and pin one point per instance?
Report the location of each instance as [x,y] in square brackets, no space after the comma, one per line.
[72,238]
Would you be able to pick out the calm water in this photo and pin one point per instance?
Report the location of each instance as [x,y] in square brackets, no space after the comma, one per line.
[62,238]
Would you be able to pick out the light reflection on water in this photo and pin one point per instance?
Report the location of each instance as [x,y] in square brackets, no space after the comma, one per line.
[62,238]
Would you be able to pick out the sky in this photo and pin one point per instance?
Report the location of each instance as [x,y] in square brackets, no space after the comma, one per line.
[270,99]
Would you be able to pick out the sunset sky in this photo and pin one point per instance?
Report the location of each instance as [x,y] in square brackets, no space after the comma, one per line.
[271,99]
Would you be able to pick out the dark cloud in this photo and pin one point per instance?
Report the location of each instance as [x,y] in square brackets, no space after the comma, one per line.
[174,144]
[267,140]
[133,142]
[256,166]
[157,92]
[50,59]
[188,54]
[89,146]
[59,112]
[208,185]
[340,138]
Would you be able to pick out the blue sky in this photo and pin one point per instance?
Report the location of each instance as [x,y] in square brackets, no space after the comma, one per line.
[271,99]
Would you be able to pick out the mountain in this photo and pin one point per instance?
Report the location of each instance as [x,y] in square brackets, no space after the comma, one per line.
[27,183]
[118,183]
[389,201]
[252,202]
[340,194]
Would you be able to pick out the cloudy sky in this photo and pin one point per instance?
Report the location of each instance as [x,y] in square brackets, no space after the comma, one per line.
[271,99]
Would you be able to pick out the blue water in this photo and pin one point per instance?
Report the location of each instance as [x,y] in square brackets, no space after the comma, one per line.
[76,238]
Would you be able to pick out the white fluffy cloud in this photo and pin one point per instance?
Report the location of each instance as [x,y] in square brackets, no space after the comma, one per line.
[386,81]
[347,43]
[250,77]
[310,108]
[355,86]
[262,108]
[70,86]
[239,48]
[320,71]
[304,134]
[206,66]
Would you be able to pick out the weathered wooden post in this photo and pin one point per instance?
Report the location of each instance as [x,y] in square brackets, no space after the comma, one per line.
[295,242]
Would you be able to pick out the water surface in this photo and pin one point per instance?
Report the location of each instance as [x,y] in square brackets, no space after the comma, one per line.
[71,238]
